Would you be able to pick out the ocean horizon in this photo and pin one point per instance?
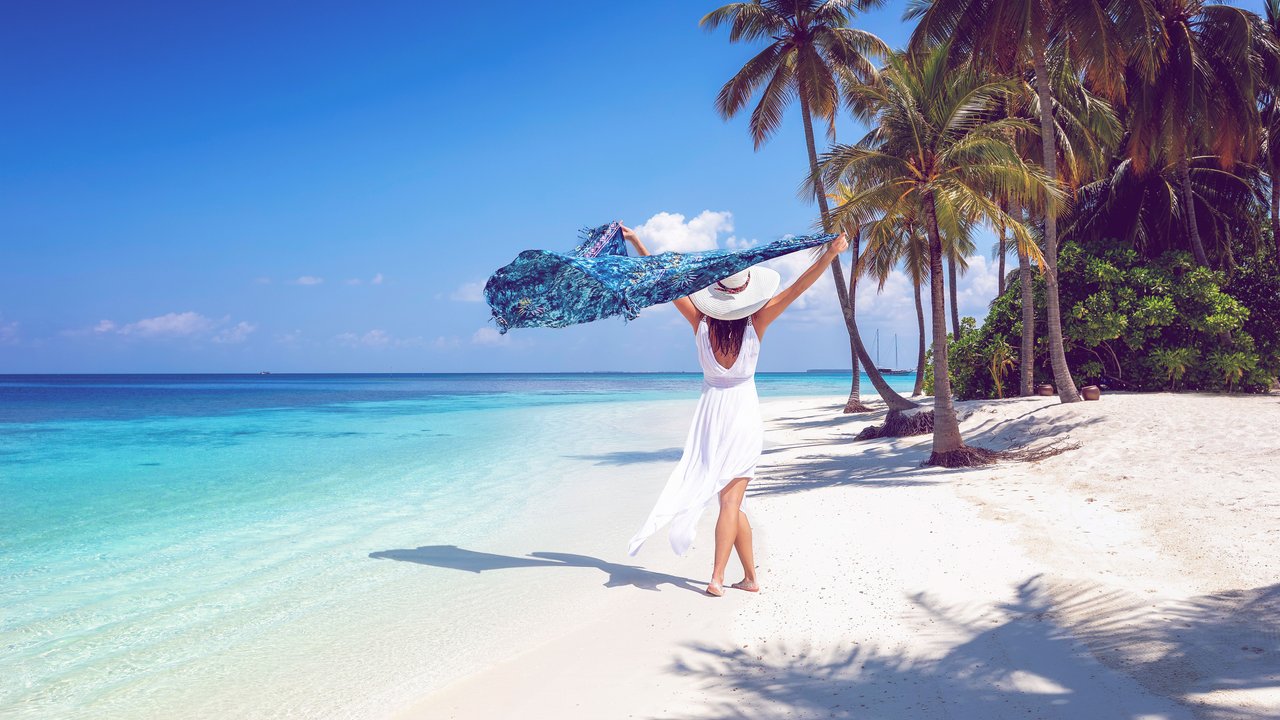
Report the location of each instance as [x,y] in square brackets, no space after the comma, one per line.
[218,544]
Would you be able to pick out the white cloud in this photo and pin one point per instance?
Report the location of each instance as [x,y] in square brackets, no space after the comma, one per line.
[188,324]
[375,280]
[289,338]
[489,336]
[446,343]
[977,288]
[308,280]
[890,310]
[237,333]
[893,310]
[669,232]
[373,338]
[377,339]
[262,280]
[468,292]
[171,324]
[819,303]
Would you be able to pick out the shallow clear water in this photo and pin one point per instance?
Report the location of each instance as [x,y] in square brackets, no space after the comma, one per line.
[165,539]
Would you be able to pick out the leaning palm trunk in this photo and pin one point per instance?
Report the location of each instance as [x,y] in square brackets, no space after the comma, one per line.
[951,290]
[893,400]
[1027,358]
[1189,202]
[946,427]
[919,388]
[1057,349]
[854,403]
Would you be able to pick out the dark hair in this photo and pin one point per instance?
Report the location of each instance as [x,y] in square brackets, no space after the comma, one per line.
[726,335]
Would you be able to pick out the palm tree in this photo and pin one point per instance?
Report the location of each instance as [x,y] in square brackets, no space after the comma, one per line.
[1271,127]
[888,245]
[1202,94]
[1027,354]
[1271,163]
[1086,133]
[854,403]
[1004,35]
[1146,210]
[937,145]
[1028,252]
[811,56]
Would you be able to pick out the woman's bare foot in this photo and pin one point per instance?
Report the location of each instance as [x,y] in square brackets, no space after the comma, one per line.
[748,585]
[715,588]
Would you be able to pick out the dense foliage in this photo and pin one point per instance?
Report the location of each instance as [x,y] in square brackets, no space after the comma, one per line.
[1137,324]
[1125,149]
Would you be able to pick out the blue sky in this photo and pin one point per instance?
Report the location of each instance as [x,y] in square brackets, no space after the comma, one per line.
[229,187]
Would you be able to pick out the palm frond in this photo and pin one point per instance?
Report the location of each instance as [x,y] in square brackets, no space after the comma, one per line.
[748,21]
[777,94]
[738,90]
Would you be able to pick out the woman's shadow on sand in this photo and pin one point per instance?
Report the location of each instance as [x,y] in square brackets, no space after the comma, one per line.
[456,558]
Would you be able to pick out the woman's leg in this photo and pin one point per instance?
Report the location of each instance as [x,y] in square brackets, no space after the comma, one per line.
[727,525]
[746,552]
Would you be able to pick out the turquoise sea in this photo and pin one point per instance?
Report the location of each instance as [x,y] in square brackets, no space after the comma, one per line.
[214,545]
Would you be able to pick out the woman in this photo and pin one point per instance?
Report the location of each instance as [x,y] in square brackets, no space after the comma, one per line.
[728,318]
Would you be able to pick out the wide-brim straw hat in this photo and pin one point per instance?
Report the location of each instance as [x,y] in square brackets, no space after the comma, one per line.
[738,295]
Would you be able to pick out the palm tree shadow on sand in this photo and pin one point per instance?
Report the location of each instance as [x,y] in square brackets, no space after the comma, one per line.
[456,558]
[1037,656]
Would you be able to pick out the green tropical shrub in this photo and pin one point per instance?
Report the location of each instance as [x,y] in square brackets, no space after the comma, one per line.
[1134,323]
[1256,283]
[1174,362]
[1232,365]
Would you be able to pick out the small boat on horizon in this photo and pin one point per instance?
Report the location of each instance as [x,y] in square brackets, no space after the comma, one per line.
[890,371]
[885,370]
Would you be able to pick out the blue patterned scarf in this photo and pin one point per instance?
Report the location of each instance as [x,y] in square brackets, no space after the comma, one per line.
[598,279]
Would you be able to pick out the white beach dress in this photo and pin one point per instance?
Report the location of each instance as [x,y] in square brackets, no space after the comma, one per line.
[724,442]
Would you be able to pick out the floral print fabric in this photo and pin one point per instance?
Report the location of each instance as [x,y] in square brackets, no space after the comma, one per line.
[598,279]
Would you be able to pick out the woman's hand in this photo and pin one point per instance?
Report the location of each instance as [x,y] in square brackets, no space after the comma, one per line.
[837,246]
[630,236]
[780,302]
[684,304]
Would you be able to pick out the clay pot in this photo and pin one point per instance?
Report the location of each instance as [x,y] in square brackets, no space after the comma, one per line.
[1091,392]
[1046,390]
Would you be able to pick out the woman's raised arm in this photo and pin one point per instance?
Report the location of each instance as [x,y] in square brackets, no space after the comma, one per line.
[783,300]
[684,304]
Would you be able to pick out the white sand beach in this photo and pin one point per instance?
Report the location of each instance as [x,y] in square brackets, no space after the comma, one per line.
[1137,576]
